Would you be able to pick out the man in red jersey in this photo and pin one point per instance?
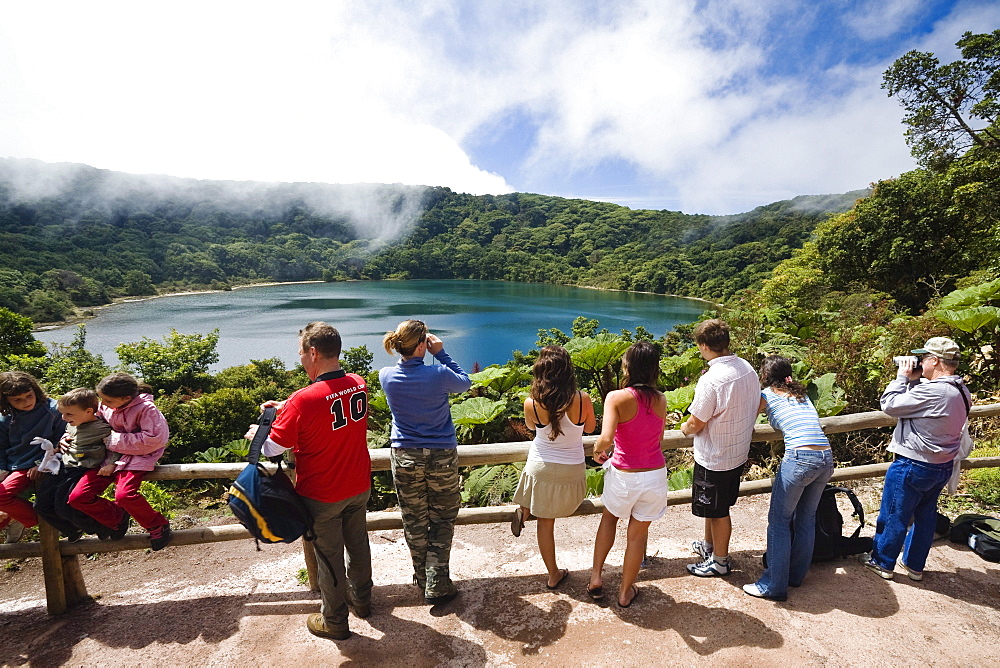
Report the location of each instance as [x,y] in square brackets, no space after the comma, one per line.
[326,425]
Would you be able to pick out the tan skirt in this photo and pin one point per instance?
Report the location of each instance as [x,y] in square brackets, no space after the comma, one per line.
[551,490]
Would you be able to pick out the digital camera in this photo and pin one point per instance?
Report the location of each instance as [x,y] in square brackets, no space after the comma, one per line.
[901,358]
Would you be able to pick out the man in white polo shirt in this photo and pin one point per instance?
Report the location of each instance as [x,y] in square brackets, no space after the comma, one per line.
[723,414]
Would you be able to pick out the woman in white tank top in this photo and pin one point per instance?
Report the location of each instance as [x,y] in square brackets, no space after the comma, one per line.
[553,482]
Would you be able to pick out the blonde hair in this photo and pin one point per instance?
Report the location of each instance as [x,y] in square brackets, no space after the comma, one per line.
[408,335]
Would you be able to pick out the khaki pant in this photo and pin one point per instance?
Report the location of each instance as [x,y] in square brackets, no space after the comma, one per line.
[340,527]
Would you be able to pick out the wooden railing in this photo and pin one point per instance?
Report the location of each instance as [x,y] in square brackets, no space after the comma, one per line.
[64,584]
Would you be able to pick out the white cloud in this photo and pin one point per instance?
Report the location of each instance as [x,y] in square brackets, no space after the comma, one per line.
[816,147]
[683,91]
[215,90]
[877,19]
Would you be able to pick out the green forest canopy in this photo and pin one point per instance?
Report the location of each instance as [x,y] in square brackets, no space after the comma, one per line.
[99,234]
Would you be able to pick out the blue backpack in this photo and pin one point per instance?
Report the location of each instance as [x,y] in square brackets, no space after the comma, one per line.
[266,503]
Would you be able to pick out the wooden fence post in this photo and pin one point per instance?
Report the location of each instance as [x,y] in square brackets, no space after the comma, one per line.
[73,584]
[307,549]
[52,569]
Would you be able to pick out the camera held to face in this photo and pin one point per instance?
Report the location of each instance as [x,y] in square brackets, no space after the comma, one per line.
[899,359]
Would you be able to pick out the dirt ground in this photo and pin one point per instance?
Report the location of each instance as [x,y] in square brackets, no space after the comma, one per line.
[225,604]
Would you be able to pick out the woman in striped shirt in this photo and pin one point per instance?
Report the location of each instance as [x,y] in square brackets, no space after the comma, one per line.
[798,484]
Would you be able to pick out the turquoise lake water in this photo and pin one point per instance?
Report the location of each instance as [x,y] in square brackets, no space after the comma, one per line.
[479,321]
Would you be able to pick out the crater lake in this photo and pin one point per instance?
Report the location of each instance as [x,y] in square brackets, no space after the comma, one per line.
[480,321]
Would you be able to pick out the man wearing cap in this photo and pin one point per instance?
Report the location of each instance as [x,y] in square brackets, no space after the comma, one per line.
[931,415]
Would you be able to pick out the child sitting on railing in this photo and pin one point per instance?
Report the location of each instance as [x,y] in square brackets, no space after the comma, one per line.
[26,415]
[82,448]
[137,441]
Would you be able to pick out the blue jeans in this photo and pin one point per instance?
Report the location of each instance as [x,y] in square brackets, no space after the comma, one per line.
[797,489]
[911,492]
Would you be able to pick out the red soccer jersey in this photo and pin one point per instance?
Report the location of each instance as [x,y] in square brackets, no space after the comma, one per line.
[326,425]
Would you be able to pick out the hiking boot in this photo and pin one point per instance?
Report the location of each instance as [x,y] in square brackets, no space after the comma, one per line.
[119,531]
[866,560]
[447,594]
[317,626]
[159,537]
[360,610]
[701,548]
[757,592]
[916,576]
[709,568]
[14,531]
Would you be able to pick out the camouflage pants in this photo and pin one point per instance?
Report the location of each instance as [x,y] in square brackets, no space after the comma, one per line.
[429,491]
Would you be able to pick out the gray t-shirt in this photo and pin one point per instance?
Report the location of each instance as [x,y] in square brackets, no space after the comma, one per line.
[86,444]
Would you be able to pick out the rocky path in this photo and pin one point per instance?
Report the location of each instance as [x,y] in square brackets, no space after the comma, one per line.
[228,605]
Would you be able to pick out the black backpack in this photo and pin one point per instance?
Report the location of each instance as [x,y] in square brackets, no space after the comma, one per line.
[980,532]
[266,503]
[830,540]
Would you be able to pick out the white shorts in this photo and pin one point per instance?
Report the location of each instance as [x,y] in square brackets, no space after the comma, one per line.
[642,495]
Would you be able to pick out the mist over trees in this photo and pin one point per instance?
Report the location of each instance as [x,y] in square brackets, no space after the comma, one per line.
[75,236]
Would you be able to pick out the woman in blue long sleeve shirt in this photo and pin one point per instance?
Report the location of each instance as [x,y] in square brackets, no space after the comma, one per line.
[424,457]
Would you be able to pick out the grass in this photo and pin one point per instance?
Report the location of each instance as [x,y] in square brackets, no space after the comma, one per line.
[983,485]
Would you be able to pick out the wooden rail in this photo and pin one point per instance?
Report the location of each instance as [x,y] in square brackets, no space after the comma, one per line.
[64,583]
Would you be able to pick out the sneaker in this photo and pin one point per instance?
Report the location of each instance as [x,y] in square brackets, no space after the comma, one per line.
[76,535]
[709,568]
[317,626]
[119,531]
[14,531]
[159,537]
[701,548]
[866,560]
[916,576]
[756,591]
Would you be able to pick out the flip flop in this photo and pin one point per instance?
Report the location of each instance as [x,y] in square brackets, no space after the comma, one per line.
[596,593]
[516,523]
[565,574]
[635,595]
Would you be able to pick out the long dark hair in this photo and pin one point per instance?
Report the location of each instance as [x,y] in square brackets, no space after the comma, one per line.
[554,384]
[641,364]
[14,383]
[776,373]
[122,386]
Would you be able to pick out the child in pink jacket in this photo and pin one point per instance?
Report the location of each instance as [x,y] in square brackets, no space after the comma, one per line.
[138,438]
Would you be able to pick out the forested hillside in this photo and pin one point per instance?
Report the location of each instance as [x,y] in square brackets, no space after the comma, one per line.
[917,257]
[72,235]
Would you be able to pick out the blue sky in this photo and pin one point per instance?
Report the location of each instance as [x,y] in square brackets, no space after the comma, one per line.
[702,106]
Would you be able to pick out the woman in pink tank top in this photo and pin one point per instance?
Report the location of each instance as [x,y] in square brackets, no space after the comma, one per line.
[635,479]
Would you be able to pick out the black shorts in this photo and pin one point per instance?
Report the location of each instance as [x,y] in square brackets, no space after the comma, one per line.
[714,492]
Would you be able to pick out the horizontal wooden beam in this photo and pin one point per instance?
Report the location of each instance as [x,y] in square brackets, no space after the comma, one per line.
[387,520]
[505,453]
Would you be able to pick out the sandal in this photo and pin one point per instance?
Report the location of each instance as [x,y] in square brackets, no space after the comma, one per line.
[635,595]
[596,593]
[516,523]
[562,577]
